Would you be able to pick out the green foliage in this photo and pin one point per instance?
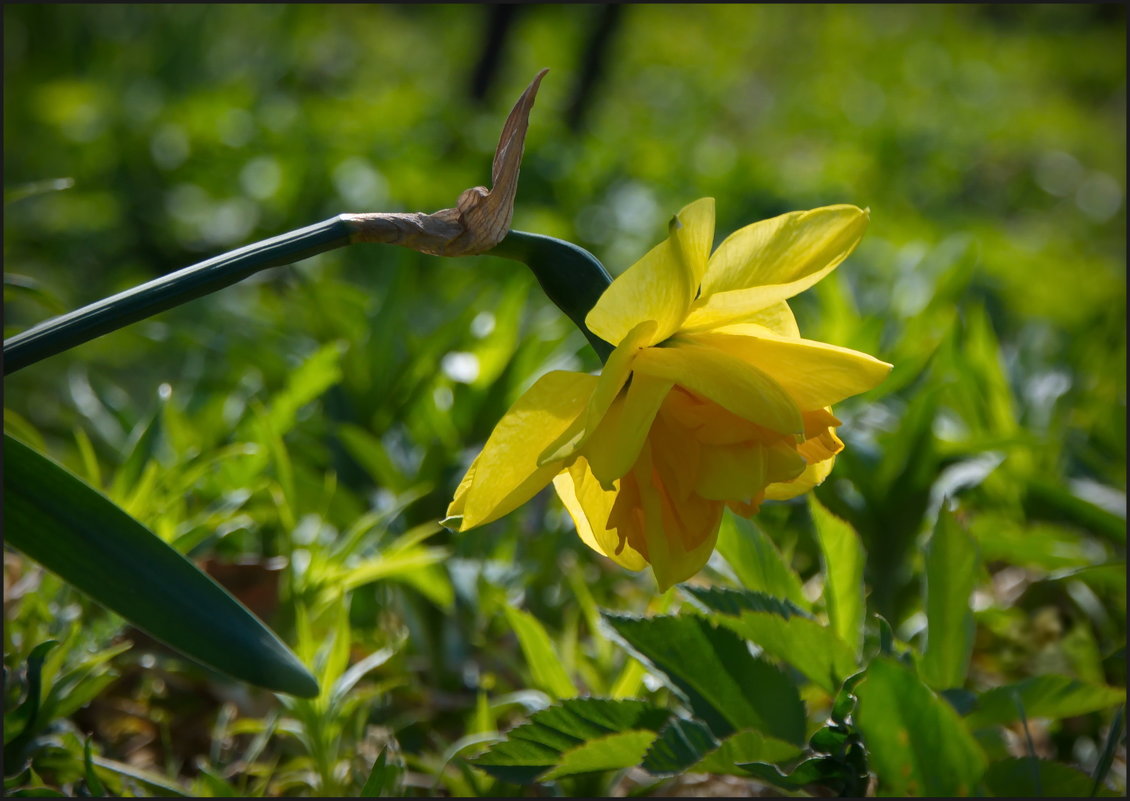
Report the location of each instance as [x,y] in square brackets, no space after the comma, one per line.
[92,544]
[1047,696]
[756,562]
[579,736]
[951,574]
[298,435]
[1029,777]
[545,664]
[915,740]
[724,685]
[843,559]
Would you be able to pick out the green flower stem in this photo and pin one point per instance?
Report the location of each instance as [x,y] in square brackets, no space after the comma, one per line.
[569,275]
[82,325]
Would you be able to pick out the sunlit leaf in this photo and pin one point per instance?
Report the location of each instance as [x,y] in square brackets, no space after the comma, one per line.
[544,662]
[811,648]
[844,558]
[560,733]
[734,602]
[916,742]
[610,752]
[688,746]
[756,561]
[724,684]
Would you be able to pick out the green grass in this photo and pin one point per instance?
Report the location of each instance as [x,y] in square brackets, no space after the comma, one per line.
[300,433]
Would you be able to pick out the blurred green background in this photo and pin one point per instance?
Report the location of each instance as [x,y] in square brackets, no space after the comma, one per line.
[988,141]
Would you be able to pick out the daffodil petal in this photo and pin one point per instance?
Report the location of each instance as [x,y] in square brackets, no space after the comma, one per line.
[812,476]
[680,538]
[608,385]
[454,519]
[814,374]
[728,308]
[732,472]
[772,260]
[589,505]
[660,286]
[795,249]
[821,442]
[506,473]
[695,237]
[730,382]
[616,443]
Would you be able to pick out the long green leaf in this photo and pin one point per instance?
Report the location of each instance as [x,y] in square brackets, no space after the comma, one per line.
[89,542]
[951,571]
[687,745]
[545,664]
[725,685]
[916,741]
[844,558]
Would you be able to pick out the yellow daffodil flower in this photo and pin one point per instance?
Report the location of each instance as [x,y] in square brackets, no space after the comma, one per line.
[710,399]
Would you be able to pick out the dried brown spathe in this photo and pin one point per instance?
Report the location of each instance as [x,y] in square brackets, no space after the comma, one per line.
[481,216]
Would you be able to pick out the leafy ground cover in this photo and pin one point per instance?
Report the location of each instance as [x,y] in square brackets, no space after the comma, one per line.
[948,616]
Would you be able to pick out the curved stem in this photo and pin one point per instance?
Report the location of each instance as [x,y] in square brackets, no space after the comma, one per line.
[82,325]
[569,275]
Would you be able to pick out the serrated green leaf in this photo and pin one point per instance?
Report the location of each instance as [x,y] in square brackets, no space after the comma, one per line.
[757,562]
[537,747]
[1051,696]
[951,572]
[812,649]
[545,664]
[611,752]
[744,747]
[89,542]
[734,602]
[688,746]
[916,741]
[807,772]
[682,743]
[844,557]
[1028,777]
[726,686]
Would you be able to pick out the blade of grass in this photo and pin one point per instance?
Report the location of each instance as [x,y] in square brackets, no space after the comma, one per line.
[1102,767]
